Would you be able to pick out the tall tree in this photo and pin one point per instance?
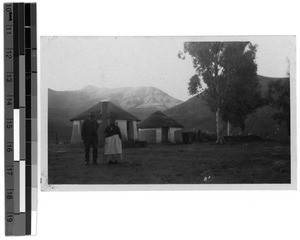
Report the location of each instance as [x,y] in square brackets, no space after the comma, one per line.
[245,96]
[278,96]
[220,67]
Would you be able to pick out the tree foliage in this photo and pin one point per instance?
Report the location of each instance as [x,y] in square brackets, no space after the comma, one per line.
[226,71]
[245,96]
[278,96]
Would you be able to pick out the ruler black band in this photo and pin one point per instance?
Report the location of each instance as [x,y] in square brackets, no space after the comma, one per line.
[21,28]
[15,27]
[28,60]
[16,53]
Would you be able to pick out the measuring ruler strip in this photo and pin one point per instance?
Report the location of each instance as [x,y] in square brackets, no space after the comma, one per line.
[20,65]
[28,116]
[19,228]
[34,126]
[9,124]
[31,108]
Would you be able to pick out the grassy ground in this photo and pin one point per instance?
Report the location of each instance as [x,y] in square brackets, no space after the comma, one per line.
[257,162]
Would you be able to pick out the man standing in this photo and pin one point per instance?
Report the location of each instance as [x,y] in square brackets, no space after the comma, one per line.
[113,141]
[90,138]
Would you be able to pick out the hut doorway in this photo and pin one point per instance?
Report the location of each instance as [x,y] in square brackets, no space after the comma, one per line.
[164,134]
[130,130]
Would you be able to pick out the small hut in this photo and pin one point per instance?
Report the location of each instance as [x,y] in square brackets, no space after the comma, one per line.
[159,128]
[126,121]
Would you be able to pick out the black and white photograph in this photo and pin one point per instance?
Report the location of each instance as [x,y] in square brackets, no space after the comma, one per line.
[167,110]
[151,119]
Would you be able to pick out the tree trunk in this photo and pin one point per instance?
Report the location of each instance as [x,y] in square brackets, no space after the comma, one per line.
[229,127]
[219,125]
[243,127]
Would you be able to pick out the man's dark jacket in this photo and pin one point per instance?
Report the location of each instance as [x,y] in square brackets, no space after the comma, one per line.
[89,130]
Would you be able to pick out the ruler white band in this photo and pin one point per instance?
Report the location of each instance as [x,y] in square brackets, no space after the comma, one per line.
[33,222]
[16,134]
[22,186]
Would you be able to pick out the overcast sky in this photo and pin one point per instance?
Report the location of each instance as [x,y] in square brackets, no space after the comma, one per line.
[69,63]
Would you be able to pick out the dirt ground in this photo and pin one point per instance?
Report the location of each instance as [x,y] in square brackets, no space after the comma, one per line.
[256,162]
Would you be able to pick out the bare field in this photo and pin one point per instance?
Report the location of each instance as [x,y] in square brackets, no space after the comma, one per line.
[203,163]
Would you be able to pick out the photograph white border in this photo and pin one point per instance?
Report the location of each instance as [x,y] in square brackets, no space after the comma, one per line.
[43,137]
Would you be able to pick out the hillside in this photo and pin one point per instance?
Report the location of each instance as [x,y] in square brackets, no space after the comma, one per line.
[127,98]
[195,113]
[139,101]
[143,101]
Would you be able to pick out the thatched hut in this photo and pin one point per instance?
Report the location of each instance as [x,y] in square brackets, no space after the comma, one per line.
[126,121]
[159,128]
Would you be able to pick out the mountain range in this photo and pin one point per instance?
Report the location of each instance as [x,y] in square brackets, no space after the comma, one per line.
[143,101]
[139,101]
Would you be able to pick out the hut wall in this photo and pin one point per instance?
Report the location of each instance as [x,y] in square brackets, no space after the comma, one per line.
[123,128]
[158,135]
[148,135]
[178,136]
[132,130]
[77,124]
[172,133]
[135,131]
[104,121]
[100,132]
[76,132]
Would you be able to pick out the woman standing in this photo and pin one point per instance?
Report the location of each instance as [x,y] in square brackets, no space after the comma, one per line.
[113,142]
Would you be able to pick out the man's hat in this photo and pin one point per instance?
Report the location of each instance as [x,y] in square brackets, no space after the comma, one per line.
[92,114]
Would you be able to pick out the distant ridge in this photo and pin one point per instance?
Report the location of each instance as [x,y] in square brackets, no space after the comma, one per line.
[143,101]
[195,113]
[139,101]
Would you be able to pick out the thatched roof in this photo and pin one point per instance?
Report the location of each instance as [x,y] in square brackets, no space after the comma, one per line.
[158,120]
[112,110]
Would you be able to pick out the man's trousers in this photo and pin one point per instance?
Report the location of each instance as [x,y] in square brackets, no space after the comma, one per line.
[87,146]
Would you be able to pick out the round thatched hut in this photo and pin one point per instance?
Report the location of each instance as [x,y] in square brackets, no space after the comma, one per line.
[126,121]
[159,128]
